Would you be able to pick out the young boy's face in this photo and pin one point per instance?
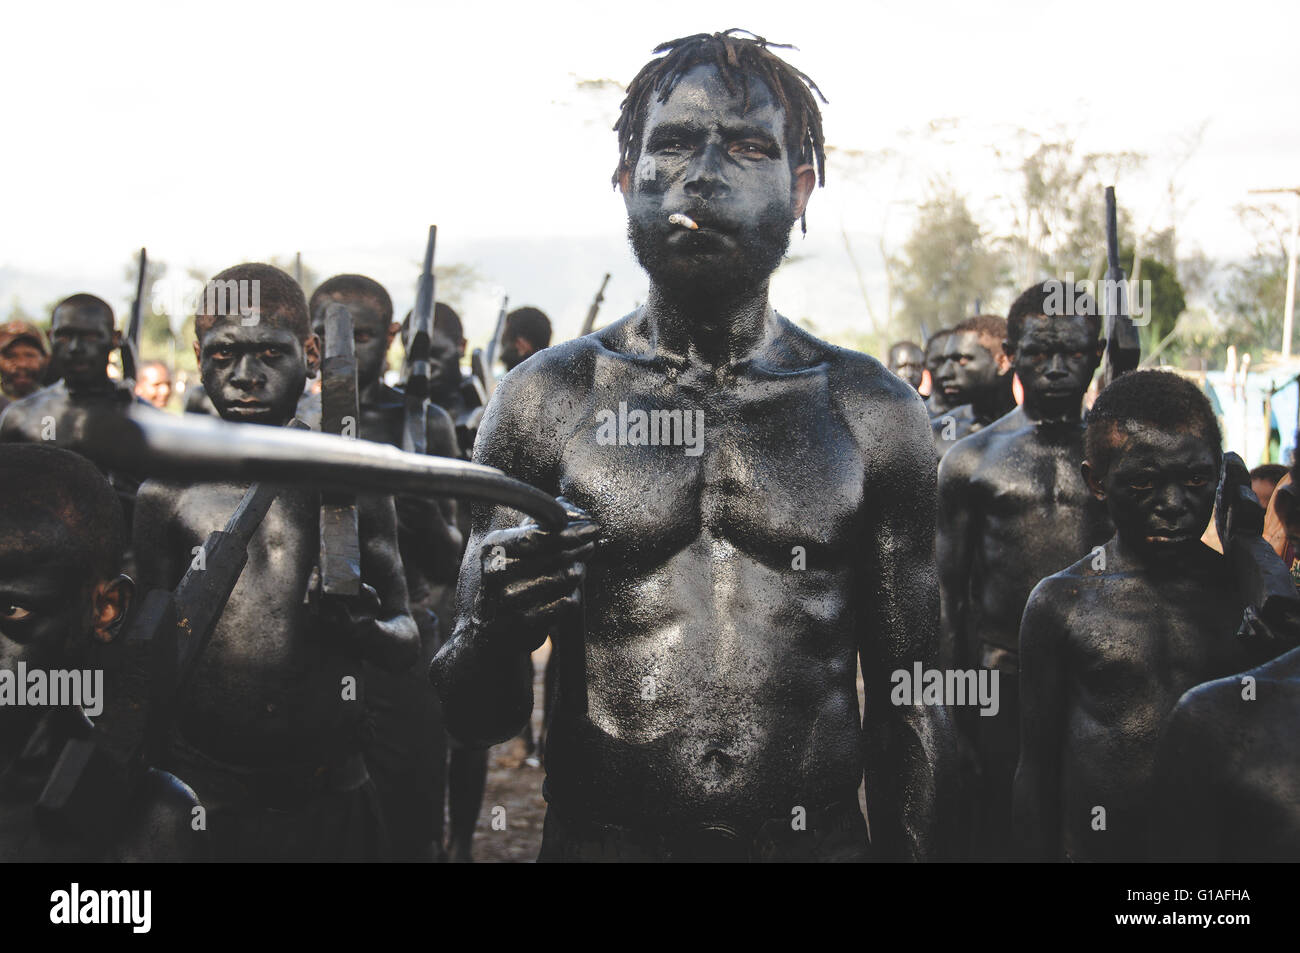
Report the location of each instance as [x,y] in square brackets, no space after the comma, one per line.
[49,601]
[83,339]
[1055,359]
[1160,486]
[371,335]
[967,369]
[444,364]
[254,373]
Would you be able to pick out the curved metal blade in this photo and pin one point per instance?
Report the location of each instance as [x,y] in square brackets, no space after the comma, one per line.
[149,442]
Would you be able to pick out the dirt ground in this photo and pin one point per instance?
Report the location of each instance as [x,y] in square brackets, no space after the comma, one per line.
[516,785]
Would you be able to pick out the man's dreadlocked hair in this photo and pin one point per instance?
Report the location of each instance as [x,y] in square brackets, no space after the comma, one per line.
[737,58]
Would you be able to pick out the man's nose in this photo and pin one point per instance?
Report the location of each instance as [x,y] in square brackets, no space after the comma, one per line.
[1057,368]
[705,177]
[947,370]
[1171,501]
[247,373]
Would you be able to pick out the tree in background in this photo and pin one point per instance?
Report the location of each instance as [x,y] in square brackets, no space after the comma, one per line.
[1167,302]
[18,313]
[1058,212]
[947,264]
[1252,298]
[454,282]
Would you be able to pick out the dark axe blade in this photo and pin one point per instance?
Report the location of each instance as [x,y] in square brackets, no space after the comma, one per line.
[340,541]
[1123,343]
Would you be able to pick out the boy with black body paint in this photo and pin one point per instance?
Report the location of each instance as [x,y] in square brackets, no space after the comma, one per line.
[62,538]
[272,730]
[1110,644]
[408,749]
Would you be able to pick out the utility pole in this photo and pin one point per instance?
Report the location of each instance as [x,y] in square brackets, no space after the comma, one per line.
[1288,313]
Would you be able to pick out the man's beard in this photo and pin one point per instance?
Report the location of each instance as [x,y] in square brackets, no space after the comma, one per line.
[749,260]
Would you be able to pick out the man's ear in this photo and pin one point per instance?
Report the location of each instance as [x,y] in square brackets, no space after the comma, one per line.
[625,181]
[198,354]
[394,329]
[1092,478]
[1101,350]
[1002,359]
[805,180]
[311,350]
[109,605]
[117,339]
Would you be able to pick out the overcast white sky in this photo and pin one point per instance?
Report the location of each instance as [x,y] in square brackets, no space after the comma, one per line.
[220,132]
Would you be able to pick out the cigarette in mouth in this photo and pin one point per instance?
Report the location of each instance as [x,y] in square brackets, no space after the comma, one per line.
[685,221]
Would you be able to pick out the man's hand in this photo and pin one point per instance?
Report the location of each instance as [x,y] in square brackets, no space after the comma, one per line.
[351,619]
[532,579]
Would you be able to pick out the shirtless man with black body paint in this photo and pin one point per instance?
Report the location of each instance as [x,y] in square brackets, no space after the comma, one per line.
[83,338]
[454,393]
[907,360]
[273,726]
[974,377]
[729,592]
[1013,508]
[407,752]
[1110,644]
[62,538]
[936,403]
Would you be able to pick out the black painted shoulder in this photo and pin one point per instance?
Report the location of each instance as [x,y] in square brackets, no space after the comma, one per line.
[21,414]
[164,822]
[533,408]
[1055,594]
[1197,721]
[967,453]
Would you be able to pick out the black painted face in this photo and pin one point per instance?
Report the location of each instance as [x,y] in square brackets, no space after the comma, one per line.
[369,337]
[82,340]
[966,370]
[726,168]
[510,355]
[934,349]
[444,364]
[46,604]
[1160,487]
[1055,359]
[908,362]
[255,373]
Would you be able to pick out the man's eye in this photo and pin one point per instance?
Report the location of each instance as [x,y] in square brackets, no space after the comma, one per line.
[12,612]
[1197,481]
[751,149]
